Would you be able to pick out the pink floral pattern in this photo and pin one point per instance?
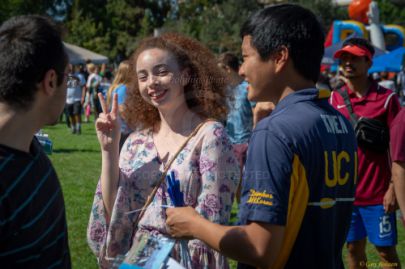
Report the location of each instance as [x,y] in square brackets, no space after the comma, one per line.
[211,205]
[97,232]
[206,165]
[208,173]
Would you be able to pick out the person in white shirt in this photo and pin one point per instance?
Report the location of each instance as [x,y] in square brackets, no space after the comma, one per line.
[74,100]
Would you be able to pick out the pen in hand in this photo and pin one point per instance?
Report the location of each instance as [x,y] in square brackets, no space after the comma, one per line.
[173,188]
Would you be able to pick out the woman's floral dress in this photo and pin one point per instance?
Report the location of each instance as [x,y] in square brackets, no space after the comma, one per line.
[208,174]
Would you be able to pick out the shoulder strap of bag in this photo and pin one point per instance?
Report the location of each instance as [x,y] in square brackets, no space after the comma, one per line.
[346,98]
[151,196]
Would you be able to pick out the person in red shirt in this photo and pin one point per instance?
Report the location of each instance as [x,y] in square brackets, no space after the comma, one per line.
[398,159]
[374,206]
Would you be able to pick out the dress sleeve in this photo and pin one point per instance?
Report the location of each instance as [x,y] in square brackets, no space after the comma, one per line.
[108,240]
[220,174]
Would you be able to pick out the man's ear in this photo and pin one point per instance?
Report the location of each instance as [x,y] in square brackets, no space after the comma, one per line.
[49,83]
[280,58]
[185,77]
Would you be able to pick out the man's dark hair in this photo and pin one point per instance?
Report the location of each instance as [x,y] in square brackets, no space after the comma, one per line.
[361,42]
[29,47]
[292,26]
[230,60]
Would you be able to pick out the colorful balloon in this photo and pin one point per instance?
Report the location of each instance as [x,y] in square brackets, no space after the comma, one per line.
[358,10]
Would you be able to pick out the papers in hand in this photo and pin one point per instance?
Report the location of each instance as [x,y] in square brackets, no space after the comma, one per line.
[150,253]
[172,264]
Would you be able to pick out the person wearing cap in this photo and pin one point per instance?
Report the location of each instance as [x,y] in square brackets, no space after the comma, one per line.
[374,206]
[299,179]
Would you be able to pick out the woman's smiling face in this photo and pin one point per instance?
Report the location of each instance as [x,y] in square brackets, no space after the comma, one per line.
[160,79]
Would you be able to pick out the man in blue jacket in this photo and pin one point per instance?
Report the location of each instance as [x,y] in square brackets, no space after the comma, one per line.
[300,174]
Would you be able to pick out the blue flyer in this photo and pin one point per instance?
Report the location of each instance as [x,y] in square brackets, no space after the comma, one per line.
[150,253]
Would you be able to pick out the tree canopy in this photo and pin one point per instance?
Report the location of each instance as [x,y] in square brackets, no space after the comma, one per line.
[114,27]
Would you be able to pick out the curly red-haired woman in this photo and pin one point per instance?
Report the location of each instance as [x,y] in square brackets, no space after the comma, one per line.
[177,86]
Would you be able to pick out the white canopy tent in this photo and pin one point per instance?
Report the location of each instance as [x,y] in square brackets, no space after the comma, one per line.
[79,55]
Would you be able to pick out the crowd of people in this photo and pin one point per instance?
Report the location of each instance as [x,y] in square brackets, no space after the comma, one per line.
[183,132]
[86,81]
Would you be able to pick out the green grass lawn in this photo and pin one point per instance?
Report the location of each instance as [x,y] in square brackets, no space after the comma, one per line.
[77,162]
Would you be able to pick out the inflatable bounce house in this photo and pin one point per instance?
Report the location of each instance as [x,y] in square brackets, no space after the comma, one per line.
[388,40]
[365,23]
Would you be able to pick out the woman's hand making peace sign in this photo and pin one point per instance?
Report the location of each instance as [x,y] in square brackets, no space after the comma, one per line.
[108,125]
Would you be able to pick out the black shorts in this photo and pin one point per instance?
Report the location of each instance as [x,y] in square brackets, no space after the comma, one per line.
[75,108]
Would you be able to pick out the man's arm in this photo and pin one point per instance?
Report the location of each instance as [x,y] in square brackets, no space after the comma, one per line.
[83,87]
[398,177]
[389,201]
[257,244]
[84,91]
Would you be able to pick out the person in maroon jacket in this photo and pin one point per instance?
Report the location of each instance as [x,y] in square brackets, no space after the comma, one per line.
[398,159]
[374,206]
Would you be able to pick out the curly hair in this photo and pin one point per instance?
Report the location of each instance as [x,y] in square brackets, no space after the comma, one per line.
[204,93]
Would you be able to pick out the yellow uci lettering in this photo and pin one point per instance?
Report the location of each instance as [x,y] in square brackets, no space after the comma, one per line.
[337,162]
[331,182]
[342,155]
